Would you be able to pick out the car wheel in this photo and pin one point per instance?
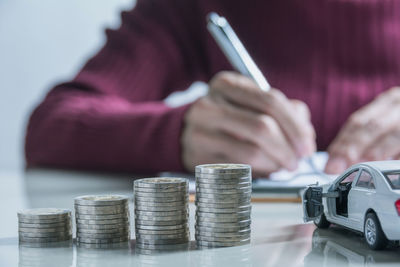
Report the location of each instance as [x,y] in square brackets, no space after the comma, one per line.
[373,233]
[322,222]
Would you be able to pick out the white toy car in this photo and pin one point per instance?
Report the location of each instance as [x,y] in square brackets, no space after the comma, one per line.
[365,198]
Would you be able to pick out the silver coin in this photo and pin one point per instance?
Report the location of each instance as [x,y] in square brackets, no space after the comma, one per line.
[183,246]
[159,209]
[44,213]
[222,180]
[44,239]
[226,234]
[160,223]
[221,206]
[101,226]
[180,212]
[161,232]
[182,198]
[160,204]
[223,191]
[161,227]
[104,231]
[162,237]
[55,244]
[44,230]
[102,217]
[101,200]
[221,219]
[172,189]
[221,239]
[223,168]
[97,222]
[230,225]
[46,234]
[161,218]
[44,221]
[221,230]
[102,236]
[44,225]
[100,212]
[219,197]
[104,246]
[162,241]
[101,241]
[160,194]
[223,186]
[228,210]
[223,244]
[160,182]
[238,201]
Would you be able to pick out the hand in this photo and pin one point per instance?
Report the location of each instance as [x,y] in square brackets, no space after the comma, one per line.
[237,122]
[371,133]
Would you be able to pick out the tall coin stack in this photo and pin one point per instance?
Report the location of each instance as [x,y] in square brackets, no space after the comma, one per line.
[223,205]
[44,225]
[102,219]
[161,213]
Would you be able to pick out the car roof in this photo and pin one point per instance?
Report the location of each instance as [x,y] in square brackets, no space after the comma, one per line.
[382,166]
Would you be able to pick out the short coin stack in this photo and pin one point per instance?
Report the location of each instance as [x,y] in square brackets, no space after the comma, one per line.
[44,225]
[102,219]
[223,205]
[161,212]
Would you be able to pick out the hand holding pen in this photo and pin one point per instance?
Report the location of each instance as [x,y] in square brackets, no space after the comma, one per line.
[238,122]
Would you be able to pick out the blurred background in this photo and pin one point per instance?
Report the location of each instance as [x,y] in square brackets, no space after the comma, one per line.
[43,43]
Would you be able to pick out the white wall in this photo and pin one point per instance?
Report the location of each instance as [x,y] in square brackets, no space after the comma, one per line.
[43,42]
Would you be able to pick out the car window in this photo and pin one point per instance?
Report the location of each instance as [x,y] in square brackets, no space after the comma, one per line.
[393,178]
[349,178]
[365,180]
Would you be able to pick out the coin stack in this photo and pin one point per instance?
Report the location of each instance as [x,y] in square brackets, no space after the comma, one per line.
[102,219]
[44,225]
[223,205]
[161,212]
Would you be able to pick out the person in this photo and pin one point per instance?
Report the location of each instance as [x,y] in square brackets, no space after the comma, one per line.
[335,66]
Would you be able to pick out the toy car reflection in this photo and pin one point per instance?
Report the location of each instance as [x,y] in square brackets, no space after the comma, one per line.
[365,198]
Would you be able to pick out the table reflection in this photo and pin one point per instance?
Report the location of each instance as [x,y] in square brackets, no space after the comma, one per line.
[46,254]
[336,245]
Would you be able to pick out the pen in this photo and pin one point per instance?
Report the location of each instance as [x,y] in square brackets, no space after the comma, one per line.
[234,50]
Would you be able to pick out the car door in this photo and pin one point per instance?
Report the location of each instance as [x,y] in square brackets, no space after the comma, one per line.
[312,202]
[359,199]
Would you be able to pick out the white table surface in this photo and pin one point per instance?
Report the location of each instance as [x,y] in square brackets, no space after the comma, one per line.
[279,238]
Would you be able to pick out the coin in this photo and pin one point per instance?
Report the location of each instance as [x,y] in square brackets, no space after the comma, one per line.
[101,200]
[238,202]
[44,230]
[215,186]
[243,190]
[102,217]
[230,219]
[226,234]
[172,189]
[162,218]
[44,239]
[161,182]
[162,232]
[162,241]
[163,199]
[162,237]
[44,214]
[43,221]
[160,204]
[222,239]
[44,225]
[223,168]
[44,234]
[160,223]
[101,226]
[102,235]
[221,205]
[222,229]
[224,225]
[101,241]
[223,244]
[158,209]
[100,210]
[161,227]
[218,197]
[183,246]
[97,222]
[178,212]
[124,244]
[227,210]
[104,231]
[160,194]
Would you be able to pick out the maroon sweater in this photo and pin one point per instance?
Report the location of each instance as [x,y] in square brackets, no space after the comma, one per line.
[336,55]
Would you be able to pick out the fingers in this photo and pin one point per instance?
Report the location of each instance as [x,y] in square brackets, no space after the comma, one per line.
[242,91]
[368,134]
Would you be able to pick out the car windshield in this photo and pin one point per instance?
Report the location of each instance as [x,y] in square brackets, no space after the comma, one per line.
[393,178]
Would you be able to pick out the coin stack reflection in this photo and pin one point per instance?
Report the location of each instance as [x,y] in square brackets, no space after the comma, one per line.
[161,212]
[223,205]
[44,225]
[102,219]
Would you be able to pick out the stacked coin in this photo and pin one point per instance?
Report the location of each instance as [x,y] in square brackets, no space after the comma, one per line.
[44,225]
[223,205]
[161,212]
[102,219]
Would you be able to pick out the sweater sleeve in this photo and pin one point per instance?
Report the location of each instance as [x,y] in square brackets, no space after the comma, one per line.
[111,116]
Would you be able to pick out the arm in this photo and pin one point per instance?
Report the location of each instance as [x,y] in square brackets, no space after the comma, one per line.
[111,115]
